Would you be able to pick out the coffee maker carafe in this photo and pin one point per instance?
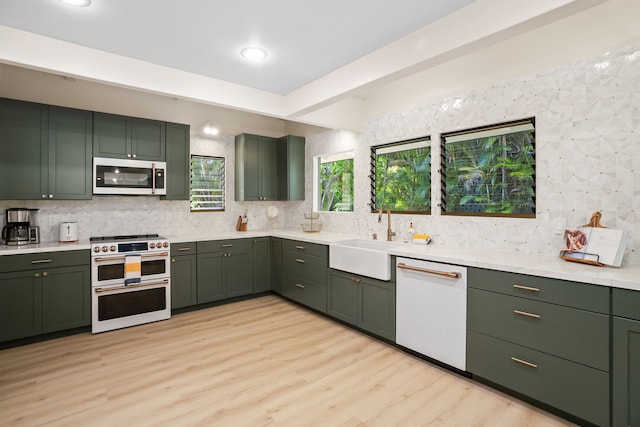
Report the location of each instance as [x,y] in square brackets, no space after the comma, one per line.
[18,229]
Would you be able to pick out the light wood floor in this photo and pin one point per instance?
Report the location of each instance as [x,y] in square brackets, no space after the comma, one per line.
[262,362]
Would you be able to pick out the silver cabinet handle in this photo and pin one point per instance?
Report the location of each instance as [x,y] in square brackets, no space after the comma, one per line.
[449,274]
[524,362]
[228,245]
[300,260]
[183,249]
[300,247]
[40,261]
[524,313]
[300,286]
[526,288]
[45,274]
[37,275]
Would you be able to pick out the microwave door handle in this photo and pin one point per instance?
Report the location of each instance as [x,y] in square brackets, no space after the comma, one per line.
[153,178]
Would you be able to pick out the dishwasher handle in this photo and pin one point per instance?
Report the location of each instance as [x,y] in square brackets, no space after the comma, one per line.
[448,274]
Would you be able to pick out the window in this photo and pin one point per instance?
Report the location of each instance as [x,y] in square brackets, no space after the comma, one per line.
[335,182]
[207,183]
[490,171]
[401,176]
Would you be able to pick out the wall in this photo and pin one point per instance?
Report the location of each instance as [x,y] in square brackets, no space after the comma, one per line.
[587,154]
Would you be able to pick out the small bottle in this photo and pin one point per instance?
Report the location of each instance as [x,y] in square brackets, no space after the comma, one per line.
[411,232]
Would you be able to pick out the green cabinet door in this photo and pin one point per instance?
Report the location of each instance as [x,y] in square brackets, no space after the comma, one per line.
[261,264]
[66,298]
[178,162]
[124,137]
[342,300]
[291,168]
[184,291]
[20,305]
[256,168]
[377,307]
[70,154]
[626,372]
[276,264]
[238,274]
[210,277]
[23,150]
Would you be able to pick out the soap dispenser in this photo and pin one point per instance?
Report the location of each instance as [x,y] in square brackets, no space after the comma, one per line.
[411,232]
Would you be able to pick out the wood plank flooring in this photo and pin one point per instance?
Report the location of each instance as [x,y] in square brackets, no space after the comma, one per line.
[261,362]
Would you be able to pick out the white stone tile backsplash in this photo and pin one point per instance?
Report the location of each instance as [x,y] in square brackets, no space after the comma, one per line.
[587,150]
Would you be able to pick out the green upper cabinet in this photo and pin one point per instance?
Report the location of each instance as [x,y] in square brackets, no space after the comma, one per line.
[45,151]
[178,162]
[124,137]
[256,173]
[291,168]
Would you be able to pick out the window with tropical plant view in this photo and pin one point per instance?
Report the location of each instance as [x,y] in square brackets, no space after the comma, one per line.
[206,191]
[401,176]
[490,171]
[335,185]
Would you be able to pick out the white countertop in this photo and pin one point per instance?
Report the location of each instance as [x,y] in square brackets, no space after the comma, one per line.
[626,277]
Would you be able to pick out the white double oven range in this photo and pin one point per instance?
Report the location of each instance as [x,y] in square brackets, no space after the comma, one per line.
[130,281]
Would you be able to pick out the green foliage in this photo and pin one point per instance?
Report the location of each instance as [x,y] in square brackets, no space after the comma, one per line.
[336,184]
[491,175]
[207,183]
[403,180]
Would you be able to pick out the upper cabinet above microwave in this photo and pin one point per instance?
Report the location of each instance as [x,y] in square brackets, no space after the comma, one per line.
[122,137]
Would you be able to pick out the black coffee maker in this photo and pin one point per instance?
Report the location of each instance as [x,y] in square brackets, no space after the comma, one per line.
[18,230]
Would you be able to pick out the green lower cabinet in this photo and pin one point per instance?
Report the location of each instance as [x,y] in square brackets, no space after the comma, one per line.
[210,280]
[276,264]
[261,264]
[184,291]
[307,292]
[626,372]
[40,301]
[238,273]
[224,269]
[367,303]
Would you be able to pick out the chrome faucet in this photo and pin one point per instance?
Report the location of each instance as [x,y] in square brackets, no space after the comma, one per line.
[390,233]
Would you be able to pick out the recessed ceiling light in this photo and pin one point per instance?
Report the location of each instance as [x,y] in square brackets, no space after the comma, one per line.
[254,54]
[80,3]
[211,131]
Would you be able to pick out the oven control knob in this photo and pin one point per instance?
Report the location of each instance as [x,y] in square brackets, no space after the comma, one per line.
[159,245]
[152,245]
[165,245]
[96,249]
[105,249]
[112,248]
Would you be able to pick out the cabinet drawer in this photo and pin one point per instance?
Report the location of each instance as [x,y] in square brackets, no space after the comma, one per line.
[626,303]
[305,266]
[186,248]
[38,261]
[568,386]
[571,294]
[305,292]
[223,245]
[577,335]
[306,248]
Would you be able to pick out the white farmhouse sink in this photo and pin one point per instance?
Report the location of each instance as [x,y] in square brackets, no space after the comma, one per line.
[364,257]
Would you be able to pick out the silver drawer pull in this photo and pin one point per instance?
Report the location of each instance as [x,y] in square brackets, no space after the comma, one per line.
[228,245]
[300,260]
[524,362]
[300,247]
[524,313]
[183,249]
[449,274]
[40,261]
[300,286]
[526,288]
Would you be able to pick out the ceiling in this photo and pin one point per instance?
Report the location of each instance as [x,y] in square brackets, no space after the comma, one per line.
[331,63]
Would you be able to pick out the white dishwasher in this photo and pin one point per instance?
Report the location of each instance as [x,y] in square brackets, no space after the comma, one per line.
[431,310]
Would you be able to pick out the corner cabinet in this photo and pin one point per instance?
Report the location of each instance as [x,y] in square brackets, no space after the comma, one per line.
[123,137]
[46,152]
[626,358]
[184,291]
[44,292]
[178,161]
[256,172]
[367,303]
[543,338]
[291,168]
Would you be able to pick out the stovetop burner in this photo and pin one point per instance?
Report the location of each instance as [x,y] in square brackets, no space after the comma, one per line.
[123,237]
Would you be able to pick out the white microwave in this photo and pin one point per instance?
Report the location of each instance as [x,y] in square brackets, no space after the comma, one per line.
[125,176]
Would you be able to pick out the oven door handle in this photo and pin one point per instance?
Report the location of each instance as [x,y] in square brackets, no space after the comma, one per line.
[121,258]
[137,285]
